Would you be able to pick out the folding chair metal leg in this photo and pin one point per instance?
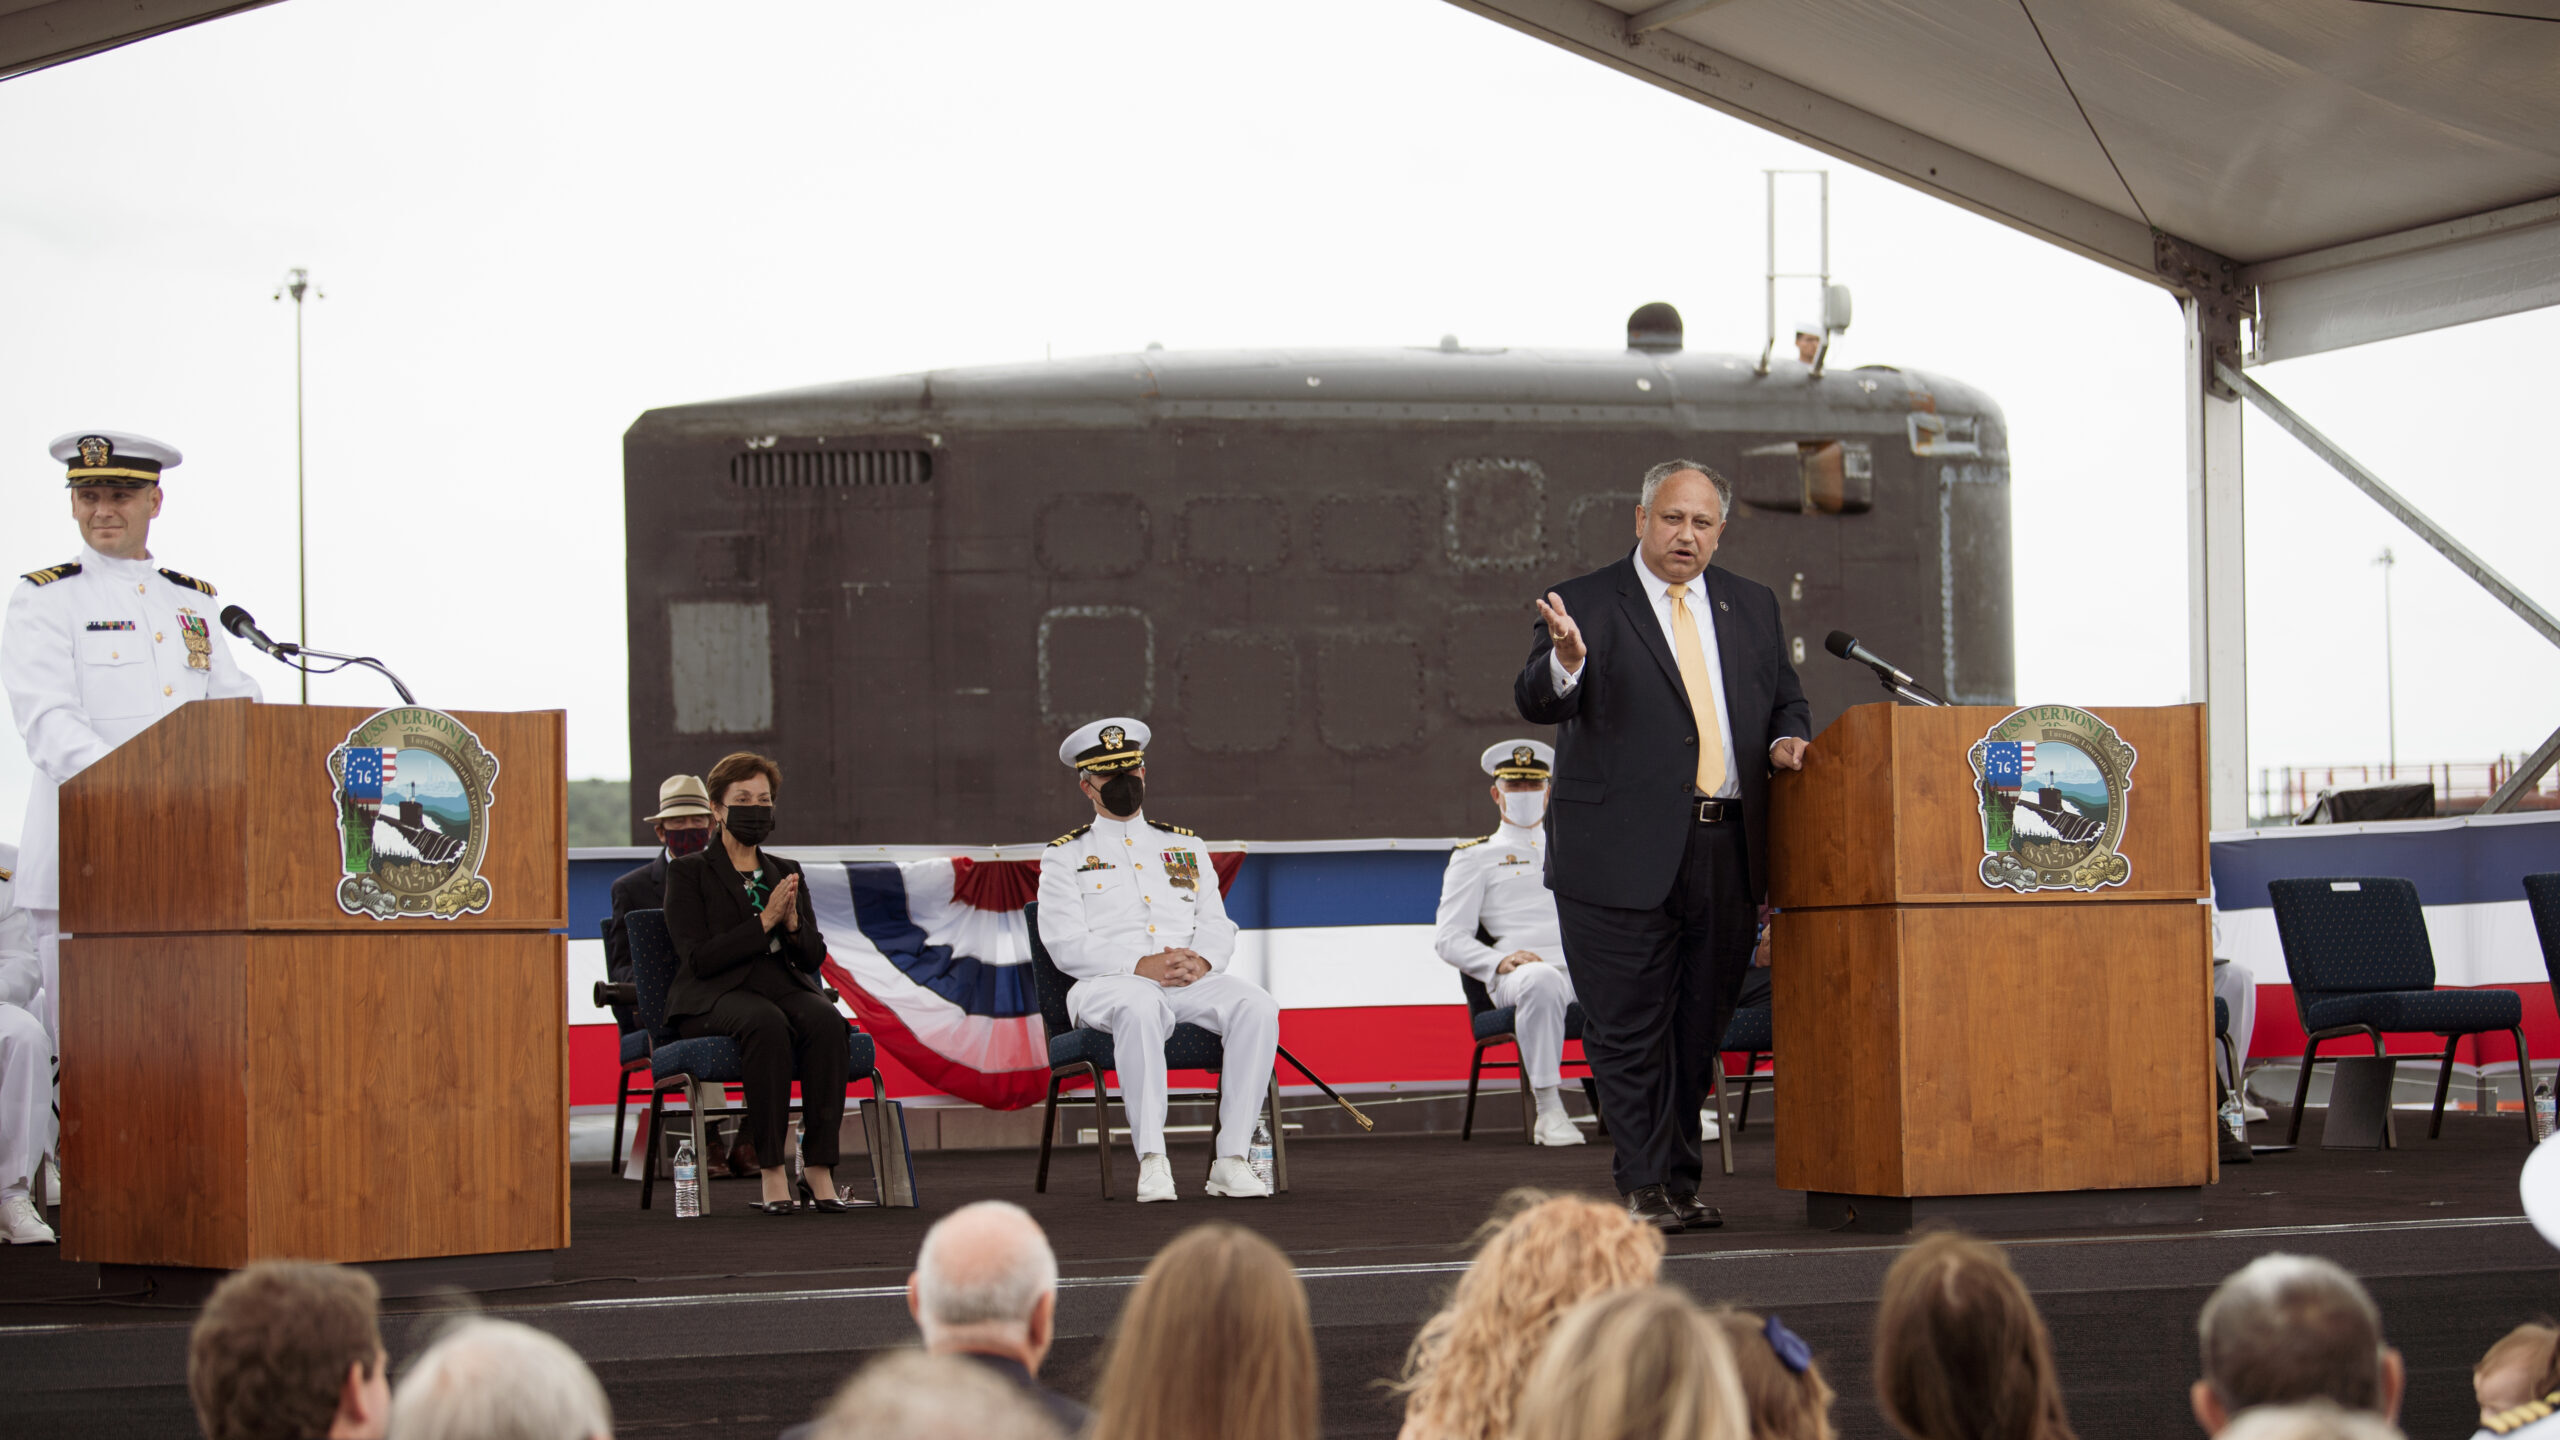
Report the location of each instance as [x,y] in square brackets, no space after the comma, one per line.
[1048,1136]
[1475,1072]
[702,1129]
[1102,1126]
[1724,1115]
[657,1117]
[621,1107]
[1528,1104]
[2302,1091]
[1279,1136]
[2444,1082]
[1750,1078]
[2524,1076]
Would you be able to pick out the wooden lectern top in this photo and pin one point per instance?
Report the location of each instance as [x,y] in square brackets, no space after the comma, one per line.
[223,817]
[1887,812]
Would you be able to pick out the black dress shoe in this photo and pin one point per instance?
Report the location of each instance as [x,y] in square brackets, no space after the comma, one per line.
[1652,1205]
[1694,1215]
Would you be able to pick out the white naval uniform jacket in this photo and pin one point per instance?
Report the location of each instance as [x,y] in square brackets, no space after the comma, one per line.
[91,660]
[1117,891]
[1500,883]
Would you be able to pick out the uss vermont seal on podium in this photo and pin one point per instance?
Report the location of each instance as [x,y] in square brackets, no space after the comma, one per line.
[413,788]
[2054,783]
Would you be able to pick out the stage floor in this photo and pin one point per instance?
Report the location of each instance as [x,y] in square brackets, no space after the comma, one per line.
[739,1323]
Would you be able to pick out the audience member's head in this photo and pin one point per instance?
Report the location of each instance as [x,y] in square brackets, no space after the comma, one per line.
[1643,1364]
[683,819]
[1214,1342]
[1541,1257]
[287,1350]
[986,1281]
[2310,1420]
[910,1395]
[2515,1368]
[1782,1392]
[2288,1328]
[1961,1353]
[497,1380]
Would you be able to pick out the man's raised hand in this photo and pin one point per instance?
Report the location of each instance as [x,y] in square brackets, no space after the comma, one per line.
[1562,631]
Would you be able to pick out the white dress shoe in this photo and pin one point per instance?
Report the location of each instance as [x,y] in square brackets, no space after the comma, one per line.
[21,1225]
[1707,1127]
[1230,1176]
[1155,1178]
[2252,1111]
[1557,1128]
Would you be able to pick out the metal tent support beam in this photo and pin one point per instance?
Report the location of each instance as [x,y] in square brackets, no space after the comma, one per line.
[2479,570]
[2217,567]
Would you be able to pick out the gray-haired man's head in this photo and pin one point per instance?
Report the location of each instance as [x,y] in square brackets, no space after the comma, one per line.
[986,1281]
[2285,1329]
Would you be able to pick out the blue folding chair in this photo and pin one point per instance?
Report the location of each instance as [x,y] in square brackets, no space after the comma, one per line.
[635,1054]
[708,1063]
[2542,896]
[1076,1052]
[2356,948]
[1494,1025]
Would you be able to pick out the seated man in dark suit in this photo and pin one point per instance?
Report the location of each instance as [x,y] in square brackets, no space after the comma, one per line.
[683,823]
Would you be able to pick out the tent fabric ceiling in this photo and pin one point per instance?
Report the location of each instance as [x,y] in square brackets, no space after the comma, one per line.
[2258,131]
[38,33]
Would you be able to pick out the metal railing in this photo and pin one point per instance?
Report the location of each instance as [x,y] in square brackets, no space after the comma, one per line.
[2285,791]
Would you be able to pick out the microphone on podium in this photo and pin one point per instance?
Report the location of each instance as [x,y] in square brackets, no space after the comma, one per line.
[238,622]
[1894,677]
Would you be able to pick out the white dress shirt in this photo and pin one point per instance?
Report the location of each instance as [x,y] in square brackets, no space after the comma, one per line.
[90,661]
[1498,883]
[1658,591]
[1118,891]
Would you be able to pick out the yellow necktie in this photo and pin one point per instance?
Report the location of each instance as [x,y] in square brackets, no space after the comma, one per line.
[1702,695]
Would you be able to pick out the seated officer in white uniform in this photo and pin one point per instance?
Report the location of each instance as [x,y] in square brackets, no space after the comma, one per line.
[1130,910]
[1498,884]
[26,1069]
[97,648]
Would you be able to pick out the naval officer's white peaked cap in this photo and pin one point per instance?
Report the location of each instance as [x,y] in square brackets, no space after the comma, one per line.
[1810,327]
[111,457]
[1117,743]
[1520,760]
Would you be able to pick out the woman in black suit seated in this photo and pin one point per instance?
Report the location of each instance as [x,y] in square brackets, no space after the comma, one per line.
[749,942]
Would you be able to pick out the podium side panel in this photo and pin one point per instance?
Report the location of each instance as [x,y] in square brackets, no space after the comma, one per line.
[1941,811]
[300,854]
[1836,1002]
[409,1094]
[154,1149]
[153,835]
[1831,825]
[2057,1047]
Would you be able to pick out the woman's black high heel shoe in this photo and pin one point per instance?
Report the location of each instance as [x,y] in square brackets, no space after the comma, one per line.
[809,1198]
[774,1207]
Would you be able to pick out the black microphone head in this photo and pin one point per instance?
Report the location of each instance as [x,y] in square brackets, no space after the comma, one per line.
[1840,643]
[234,619]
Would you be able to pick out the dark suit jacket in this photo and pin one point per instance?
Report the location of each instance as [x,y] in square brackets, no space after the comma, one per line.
[1627,742]
[644,888]
[717,934]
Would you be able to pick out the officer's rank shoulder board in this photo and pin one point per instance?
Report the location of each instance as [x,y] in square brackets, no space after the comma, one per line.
[51,573]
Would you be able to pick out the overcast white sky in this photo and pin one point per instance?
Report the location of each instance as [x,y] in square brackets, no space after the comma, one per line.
[533,221]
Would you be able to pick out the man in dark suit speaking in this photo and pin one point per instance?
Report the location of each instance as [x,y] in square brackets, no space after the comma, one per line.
[1668,682]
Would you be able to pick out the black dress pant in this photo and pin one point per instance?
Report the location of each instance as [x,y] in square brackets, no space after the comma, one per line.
[1657,988]
[783,1029]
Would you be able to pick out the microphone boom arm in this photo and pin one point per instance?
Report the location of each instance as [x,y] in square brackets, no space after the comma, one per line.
[296,656]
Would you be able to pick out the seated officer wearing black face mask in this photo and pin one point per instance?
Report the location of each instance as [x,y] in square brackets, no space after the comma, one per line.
[748,939]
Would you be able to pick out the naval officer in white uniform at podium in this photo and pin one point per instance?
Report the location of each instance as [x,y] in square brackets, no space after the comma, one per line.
[96,649]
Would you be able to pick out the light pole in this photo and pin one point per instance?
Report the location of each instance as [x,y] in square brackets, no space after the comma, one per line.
[296,282]
[2390,701]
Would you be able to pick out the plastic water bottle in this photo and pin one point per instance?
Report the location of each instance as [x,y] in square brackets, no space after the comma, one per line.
[1259,1157]
[688,1183]
[792,1142]
[2542,1107]
[2234,1119]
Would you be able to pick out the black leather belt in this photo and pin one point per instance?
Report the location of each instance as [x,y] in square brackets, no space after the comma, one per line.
[1716,812]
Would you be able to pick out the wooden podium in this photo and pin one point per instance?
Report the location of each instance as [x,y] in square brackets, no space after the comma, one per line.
[1944,1042]
[248,1071]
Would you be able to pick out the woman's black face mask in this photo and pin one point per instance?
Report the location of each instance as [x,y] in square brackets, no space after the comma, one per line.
[1123,793]
[749,824]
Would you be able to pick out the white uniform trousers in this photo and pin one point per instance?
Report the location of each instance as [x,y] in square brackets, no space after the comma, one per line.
[47,1003]
[1138,1014]
[2237,986]
[1540,994]
[26,1098]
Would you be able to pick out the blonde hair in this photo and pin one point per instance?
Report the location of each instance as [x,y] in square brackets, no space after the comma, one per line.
[1214,1342]
[1961,1353]
[1634,1365]
[1541,1256]
[1782,1404]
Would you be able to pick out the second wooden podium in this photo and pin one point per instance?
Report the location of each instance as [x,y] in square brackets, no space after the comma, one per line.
[1944,1038]
[251,1068]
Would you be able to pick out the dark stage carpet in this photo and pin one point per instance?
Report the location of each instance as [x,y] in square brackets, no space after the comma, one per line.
[739,1324]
